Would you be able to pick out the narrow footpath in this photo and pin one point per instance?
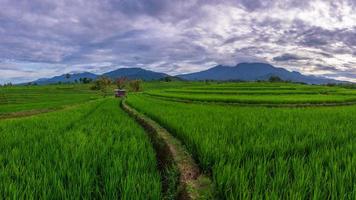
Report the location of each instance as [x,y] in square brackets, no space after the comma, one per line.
[192,183]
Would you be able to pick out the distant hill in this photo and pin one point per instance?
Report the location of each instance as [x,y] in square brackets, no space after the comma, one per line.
[242,72]
[135,73]
[65,78]
[253,72]
[130,73]
[171,78]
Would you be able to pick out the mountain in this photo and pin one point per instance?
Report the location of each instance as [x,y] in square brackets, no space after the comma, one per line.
[253,72]
[130,73]
[135,73]
[242,71]
[65,78]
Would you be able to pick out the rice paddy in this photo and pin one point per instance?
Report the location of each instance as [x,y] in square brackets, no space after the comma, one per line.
[254,141]
[260,93]
[29,98]
[264,152]
[91,151]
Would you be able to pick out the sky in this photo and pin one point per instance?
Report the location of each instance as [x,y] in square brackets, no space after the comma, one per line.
[43,38]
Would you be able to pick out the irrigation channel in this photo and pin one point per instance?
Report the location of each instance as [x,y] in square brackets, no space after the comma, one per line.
[173,159]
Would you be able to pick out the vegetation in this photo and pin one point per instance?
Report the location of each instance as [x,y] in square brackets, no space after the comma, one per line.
[103,84]
[53,97]
[265,153]
[90,151]
[135,85]
[29,98]
[260,93]
[275,79]
[89,148]
[121,83]
[85,80]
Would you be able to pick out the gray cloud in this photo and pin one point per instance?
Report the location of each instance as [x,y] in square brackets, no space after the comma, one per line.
[182,36]
[327,68]
[288,57]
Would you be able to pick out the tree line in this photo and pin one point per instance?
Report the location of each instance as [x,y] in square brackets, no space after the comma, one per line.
[104,84]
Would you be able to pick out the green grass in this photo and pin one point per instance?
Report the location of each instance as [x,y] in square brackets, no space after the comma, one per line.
[151,85]
[53,97]
[261,99]
[91,151]
[25,98]
[265,153]
[259,93]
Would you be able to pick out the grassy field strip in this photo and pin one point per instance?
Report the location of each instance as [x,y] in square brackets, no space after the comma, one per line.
[26,113]
[243,88]
[255,103]
[192,183]
[265,153]
[89,151]
[30,98]
[234,92]
[261,93]
[20,99]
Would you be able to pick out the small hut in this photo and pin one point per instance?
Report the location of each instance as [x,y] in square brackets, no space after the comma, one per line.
[120,93]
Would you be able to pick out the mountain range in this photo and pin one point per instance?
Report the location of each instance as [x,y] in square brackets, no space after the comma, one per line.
[135,73]
[254,72]
[66,78]
[130,73]
[241,72]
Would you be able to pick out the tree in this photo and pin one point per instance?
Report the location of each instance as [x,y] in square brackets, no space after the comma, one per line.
[121,82]
[168,79]
[85,80]
[275,79]
[135,85]
[9,84]
[102,84]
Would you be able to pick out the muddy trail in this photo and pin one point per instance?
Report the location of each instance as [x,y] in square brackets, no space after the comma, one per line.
[181,177]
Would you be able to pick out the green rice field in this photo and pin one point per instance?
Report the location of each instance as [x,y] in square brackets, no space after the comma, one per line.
[91,151]
[259,93]
[253,140]
[265,153]
[28,98]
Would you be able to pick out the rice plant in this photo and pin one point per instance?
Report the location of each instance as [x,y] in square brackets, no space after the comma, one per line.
[91,151]
[265,153]
[25,98]
[265,93]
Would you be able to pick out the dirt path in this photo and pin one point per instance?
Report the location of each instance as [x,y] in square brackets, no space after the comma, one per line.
[192,183]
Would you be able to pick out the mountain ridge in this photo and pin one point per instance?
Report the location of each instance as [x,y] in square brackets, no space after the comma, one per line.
[130,73]
[254,72]
[241,72]
[135,73]
[65,78]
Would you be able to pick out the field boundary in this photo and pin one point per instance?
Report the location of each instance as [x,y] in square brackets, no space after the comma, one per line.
[275,105]
[193,184]
[29,113]
[12,115]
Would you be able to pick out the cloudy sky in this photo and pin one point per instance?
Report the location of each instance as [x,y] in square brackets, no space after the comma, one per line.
[41,38]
